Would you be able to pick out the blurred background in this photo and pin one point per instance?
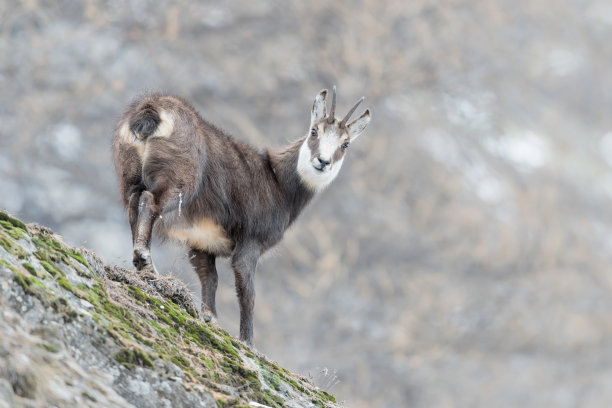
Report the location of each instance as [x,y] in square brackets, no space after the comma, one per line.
[468,238]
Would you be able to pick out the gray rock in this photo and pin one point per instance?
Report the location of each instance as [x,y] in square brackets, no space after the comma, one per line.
[77,332]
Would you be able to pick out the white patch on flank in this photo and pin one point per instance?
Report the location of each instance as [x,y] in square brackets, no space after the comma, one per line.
[204,234]
[166,126]
[315,179]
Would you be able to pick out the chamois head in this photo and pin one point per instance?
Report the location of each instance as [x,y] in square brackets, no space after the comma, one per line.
[323,150]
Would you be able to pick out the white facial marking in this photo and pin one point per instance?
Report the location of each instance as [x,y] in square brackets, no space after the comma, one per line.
[315,179]
[328,143]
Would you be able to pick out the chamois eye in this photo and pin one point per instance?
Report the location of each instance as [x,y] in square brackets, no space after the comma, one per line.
[313,132]
[345,145]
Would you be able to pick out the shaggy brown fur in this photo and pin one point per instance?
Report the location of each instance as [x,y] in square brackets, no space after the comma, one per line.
[189,181]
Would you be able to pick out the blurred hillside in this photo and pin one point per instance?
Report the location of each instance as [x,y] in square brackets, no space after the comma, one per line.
[467,239]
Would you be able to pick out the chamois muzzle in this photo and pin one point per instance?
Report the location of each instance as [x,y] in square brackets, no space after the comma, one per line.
[320,163]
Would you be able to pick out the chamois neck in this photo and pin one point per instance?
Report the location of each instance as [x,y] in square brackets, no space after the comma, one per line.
[284,164]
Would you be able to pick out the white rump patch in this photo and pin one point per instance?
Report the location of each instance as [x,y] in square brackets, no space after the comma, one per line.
[129,138]
[166,125]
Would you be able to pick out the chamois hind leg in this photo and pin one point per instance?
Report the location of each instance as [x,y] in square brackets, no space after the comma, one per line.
[204,266]
[151,205]
[143,228]
[244,263]
[132,207]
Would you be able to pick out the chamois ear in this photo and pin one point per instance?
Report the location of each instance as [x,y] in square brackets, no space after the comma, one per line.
[357,126]
[319,108]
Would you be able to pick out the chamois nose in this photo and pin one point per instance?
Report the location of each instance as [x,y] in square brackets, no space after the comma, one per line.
[323,162]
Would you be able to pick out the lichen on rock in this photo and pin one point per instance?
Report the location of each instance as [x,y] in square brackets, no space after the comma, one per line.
[76,332]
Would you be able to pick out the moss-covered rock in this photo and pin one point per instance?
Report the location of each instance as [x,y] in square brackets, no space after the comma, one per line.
[142,328]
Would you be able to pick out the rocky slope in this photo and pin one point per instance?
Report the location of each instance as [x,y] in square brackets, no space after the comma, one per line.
[76,332]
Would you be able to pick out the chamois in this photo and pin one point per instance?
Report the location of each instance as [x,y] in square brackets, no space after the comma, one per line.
[188,181]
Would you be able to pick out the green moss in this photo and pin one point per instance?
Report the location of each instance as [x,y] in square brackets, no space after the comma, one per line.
[176,314]
[328,396]
[8,265]
[54,243]
[14,232]
[51,268]
[208,362]
[116,319]
[162,316]
[42,255]
[267,398]
[64,283]
[51,250]
[180,361]
[293,383]
[113,310]
[29,283]
[6,244]
[273,380]
[77,256]
[203,336]
[169,333]
[14,222]
[94,294]
[238,370]
[38,284]
[23,280]
[166,311]
[137,293]
[51,348]
[134,356]
[28,267]
[233,403]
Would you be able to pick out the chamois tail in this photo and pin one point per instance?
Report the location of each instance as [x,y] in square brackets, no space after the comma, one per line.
[145,121]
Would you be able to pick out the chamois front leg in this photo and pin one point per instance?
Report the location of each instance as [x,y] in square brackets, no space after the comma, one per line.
[204,265]
[244,263]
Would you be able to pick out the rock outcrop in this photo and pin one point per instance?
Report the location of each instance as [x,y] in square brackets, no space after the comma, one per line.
[76,332]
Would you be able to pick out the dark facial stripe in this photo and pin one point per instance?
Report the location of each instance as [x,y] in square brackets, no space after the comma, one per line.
[313,145]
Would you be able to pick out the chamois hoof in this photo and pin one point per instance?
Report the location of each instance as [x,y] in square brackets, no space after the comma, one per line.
[142,260]
[206,314]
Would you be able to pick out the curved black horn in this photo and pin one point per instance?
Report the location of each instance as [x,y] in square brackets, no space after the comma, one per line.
[348,115]
[331,116]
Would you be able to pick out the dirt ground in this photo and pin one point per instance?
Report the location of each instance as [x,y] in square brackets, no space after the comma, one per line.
[467,242]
